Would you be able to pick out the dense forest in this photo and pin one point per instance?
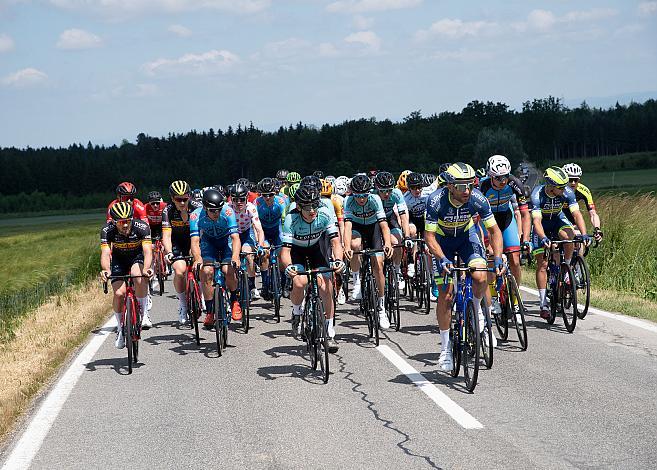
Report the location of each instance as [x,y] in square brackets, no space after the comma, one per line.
[544,130]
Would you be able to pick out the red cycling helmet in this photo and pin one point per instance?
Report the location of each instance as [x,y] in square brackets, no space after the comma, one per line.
[126,189]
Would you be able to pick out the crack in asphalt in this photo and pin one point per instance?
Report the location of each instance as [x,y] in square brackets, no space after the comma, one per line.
[386,422]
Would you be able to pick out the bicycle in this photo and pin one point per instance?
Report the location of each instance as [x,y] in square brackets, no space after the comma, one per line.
[582,276]
[512,307]
[464,330]
[392,292]
[421,282]
[275,286]
[220,310]
[160,265]
[131,317]
[243,288]
[194,296]
[369,298]
[561,291]
[313,325]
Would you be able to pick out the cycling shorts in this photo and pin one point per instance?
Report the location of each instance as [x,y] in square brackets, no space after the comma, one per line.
[180,248]
[468,247]
[419,224]
[309,257]
[551,227]
[156,232]
[273,236]
[507,223]
[121,265]
[248,238]
[216,249]
[393,224]
[370,235]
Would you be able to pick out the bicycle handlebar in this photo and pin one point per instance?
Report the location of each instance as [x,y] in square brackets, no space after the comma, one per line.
[125,277]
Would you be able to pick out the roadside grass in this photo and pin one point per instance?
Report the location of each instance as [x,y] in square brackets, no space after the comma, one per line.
[42,342]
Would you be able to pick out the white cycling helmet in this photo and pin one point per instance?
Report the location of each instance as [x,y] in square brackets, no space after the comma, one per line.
[340,186]
[330,179]
[573,170]
[498,165]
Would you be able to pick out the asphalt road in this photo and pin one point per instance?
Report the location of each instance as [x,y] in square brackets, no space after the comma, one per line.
[581,400]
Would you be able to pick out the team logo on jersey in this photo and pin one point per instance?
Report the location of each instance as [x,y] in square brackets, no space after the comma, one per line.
[193,216]
[229,212]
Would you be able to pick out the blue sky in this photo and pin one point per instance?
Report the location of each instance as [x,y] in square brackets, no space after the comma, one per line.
[104,70]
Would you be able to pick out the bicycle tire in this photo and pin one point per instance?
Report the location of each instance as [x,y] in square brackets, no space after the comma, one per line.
[311,331]
[487,346]
[218,320]
[321,340]
[502,318]
[471,347]
[244,300]
[275,291]
[568,297]
[521,329]
[392,307]
[554,301]
[427,287]
[420,275]
[583,284]
[374,310]
[455,339]
[194,309]
[127,333]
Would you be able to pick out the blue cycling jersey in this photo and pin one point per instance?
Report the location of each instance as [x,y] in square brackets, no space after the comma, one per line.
[368,214]
[200,225]
[396,199]
[546,207]
[298,232]
[416,205]
[271,216]
[502,200]
[449,219]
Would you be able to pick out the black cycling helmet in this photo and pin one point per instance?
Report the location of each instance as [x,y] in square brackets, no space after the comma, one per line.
[121,211]
[213,199]
[319,174]
[443,167]
[384,180]
[267,185]
[414,180]
[306,195]
[154,196]
[244,181]
[239,190]
[197,194]
[313,181]
[126,189]
[220,188]
[281,174]
[179,188]
[252,186]
[361,184]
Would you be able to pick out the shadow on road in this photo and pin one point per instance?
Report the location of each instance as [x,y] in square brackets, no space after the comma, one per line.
[119,364]
[295,371]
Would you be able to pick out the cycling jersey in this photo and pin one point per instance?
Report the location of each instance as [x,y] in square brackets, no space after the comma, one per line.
[549,208]
[245,218]
[502,200]
[200,225]
[299,233]
[324,202]
[138,209]
[172,220]
[582,193]
[338,207]
[416,205]
[125,246]
[270,216]
[449,219]
[368,214]
[154,214]
[396,199]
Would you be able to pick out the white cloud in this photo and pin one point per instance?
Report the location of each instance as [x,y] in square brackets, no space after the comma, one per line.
[647,8]
[541,20]
[128,8]
[25,77]
[179,30]
[368,38]
[326,49]
[287,48]
[6,43]
[455,29]
[362,23]
[361,6]
[545,21]
[462,55]
[207,63]
[78,39]
[589,15]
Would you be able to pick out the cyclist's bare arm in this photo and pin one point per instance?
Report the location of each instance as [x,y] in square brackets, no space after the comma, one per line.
[196,249]
[105,255]
[434,246]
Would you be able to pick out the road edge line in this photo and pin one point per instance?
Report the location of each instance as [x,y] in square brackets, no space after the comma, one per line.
[449,406]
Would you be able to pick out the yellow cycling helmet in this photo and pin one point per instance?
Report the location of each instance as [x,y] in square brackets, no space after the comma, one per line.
[179,188]
[555,176]
[401,181]
[327,188]
[293,177]
[121,211]
[293,190]
[460,173]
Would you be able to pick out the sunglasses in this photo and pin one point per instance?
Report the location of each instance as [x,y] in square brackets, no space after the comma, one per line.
[415,188]
[309,207]
[463,187]
[239,199]
[123,221]
[181,199]
[574,180]
[386,190]
[501,178]
[268,195]
[154,203]
[361,195]
[212,211]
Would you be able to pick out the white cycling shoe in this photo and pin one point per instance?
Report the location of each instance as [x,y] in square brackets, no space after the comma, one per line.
[120,339]
[401,284]
[146,321]
[255,293]
[410,270]
[355,292]
[341,297]
[182,316]
[384,323]
[446,361]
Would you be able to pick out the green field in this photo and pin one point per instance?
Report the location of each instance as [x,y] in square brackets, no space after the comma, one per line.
[42,257]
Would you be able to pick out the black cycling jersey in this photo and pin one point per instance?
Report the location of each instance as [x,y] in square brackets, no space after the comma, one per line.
[125,246]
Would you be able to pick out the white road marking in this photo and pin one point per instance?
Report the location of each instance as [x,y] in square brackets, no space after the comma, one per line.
[23,453]
[615,316]
[457,413]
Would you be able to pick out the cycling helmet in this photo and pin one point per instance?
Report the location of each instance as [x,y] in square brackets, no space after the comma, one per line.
[154,196]
[293,177]
[244,181]
[267,185]
[498,165]
[555,176]
[460,172]
[327,188]
[372,173]
[220,188]
[213,199]
[340,186]
[121,211]
[443,167]
[281,174]
[330,179]
[313,181]
[428,178]
[573,170]
[319,174]
[480,172]
[179,188]
[197,194]
[401,181]
[126,189]
[414,180]
[306,194]
[239,190]
[384,180]
[293,190]
[361,184]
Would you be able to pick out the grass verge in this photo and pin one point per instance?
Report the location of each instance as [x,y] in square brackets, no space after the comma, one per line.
[42,342]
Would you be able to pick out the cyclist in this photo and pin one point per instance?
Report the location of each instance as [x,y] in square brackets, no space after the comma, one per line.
[337,203]
[154,210]
[394,206]
[450,229]
[126,192]
[214,238]
[303,231]
[549,223]
[416,200]
[401,181]
[292,178]
[125,248]
[340,186]
[582,193]
[249,229]
[271,207]
[366,226]
[176,239]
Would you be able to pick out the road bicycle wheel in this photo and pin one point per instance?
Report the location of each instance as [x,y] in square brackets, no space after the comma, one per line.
[321,339]
[582,279]
[161,271]
[427,286]
[516,309]
[568,297]
[374,310]
[127,333]
[392,297]
[420,277]
[502,318]
[218,319]
[455,339]
[275,290]
[194,307]
[471,347]
[553,295]
[486,340]
[365,306]
[311,332]
[244,300]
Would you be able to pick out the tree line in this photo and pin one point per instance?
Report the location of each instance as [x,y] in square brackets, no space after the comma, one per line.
[543,130]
